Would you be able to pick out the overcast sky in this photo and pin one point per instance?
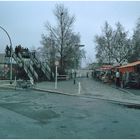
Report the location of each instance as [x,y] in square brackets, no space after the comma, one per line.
[25,20]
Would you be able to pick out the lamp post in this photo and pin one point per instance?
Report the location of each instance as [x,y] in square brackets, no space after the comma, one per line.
[78,46]
[62,41]
[10,54]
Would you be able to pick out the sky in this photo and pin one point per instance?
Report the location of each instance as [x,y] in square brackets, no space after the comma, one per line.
[25,20]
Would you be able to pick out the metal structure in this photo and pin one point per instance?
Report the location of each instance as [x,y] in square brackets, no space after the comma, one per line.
[31,65]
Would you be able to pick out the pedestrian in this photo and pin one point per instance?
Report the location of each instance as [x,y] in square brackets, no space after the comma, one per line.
[6,50]
[16,51]
[75,74]
[117,78]
[87,74]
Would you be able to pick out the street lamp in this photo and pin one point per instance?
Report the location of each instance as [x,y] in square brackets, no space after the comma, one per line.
[11,53]
[62,41]
[78,46]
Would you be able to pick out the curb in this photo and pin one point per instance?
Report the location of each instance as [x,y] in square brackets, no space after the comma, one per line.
[93,97]
[53,91]
[124,90]
[79,95]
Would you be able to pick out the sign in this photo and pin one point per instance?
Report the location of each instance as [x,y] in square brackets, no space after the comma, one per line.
[56,63]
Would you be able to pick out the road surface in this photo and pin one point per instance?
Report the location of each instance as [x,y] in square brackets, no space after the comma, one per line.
[31,114]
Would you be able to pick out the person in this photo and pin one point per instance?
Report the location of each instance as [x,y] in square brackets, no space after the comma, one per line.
[123,80]
[6,50]
[87,74]
[117,78]
[33,54]
[16,50]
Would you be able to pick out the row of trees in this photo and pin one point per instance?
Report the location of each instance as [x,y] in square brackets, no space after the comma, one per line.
[114,46]
[61,42]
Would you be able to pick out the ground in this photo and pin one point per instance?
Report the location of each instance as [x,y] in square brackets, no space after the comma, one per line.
[26,113]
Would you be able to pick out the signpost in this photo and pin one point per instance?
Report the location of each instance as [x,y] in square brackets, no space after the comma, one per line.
[56,65]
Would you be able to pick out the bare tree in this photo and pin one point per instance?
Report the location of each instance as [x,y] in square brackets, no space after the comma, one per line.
[64,39]
[104,45]
[49,52]
[61,31]
[135,55]
[121,44]
[113,46]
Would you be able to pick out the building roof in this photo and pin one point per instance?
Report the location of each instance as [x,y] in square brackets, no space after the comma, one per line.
[131,64]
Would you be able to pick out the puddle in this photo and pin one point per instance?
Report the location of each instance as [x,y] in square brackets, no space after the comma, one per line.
[63,126]
[115,121]
[41,115]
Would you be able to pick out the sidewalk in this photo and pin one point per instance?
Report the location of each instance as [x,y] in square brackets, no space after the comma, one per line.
[62,87]
[91,89]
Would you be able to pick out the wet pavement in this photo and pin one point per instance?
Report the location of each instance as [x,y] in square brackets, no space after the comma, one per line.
[27,113]
[32,114]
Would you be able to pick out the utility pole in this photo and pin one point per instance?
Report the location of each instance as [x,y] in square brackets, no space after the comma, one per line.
[62,35]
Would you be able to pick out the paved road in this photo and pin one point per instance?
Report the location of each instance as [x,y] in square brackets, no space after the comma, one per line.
[92,88]
[31,114]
